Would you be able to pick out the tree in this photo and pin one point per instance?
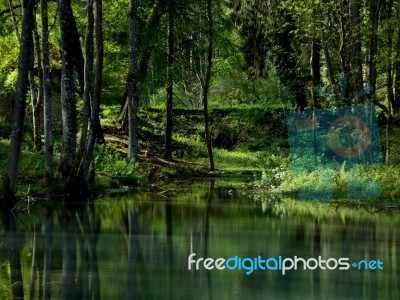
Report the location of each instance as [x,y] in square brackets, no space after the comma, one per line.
[95,112]
[47,92]
[373,44]
[87,90]
[396,106]
[69,122]
[170,82]
[36,92]
[26,43]
[133,79]
[206,82]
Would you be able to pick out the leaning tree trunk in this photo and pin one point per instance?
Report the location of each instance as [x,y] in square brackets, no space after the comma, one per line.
[10,180]
[132,80]
[67,162]
[170,82]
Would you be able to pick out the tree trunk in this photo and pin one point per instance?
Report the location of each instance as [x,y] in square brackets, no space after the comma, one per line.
[170,82]
[10,180]
[97,87]
[329,70]
[14,19]
[37,103]
[357,75]
[87,90]
[373,45]
[396,106]
[206,85]
[48,131]
[152,24]
[315,62]
[69,125]
[132,80]
[389,68]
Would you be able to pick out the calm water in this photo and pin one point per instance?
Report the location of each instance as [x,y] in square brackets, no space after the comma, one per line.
[137,247]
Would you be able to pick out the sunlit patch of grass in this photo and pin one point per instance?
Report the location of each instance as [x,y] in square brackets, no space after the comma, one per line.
[236,161]
[369,184]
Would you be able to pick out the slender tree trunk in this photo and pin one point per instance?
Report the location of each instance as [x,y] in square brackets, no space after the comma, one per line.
[95,112]
[14,19]
[396,106]
[315,59]
[68,101]
[315,62]
[48,127]
[152,24]
[206,85]
[170,82]
[357,75]
[389,70]
[342,46]
[329,70]
[37,104]
[10,180]
[87,90]
[373,46]
[132,80]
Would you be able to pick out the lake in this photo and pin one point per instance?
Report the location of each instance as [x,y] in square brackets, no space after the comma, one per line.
[137,246]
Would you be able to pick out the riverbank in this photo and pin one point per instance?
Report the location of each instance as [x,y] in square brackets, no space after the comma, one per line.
[247,142]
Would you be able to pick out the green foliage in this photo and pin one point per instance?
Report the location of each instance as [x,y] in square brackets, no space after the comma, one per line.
[110,162]
[5,129]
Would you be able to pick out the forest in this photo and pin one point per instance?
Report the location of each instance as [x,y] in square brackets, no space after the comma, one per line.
[137,134]
[114,94]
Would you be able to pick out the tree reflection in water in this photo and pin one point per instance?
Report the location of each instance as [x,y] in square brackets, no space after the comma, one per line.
[136,247]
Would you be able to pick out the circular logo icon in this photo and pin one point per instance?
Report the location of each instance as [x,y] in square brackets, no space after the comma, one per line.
[359,130]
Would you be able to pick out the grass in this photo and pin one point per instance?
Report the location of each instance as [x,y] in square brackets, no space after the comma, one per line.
[377,185]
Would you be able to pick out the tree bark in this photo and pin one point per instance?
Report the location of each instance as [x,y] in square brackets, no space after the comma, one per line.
[206,85]
[373,45]
[396,106]
[48,131]
[132,80]
[37,102]
[14,19]
[69,125]
[152,23]
[389,68]
[95,111]
[170,82]
[87,90]
[329,70]
[357,75]
[315,62]
[10,180]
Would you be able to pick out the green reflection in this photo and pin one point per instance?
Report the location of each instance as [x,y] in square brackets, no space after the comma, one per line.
[136,246]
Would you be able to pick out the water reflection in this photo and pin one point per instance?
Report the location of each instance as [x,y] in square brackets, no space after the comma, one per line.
[137,246]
